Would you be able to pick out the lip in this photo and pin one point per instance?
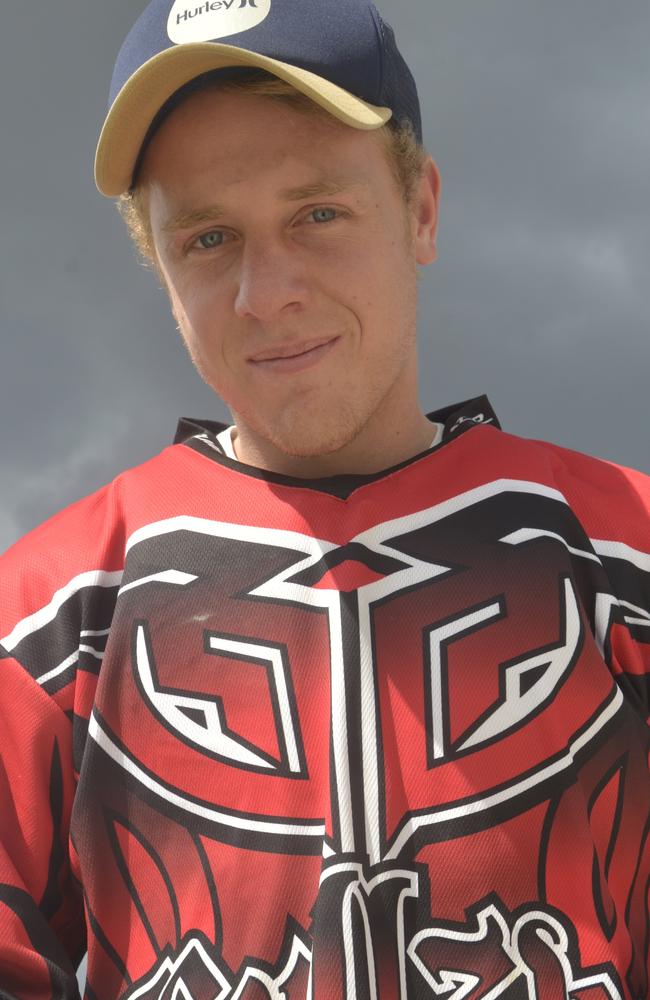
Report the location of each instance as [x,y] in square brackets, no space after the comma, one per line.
[293,357]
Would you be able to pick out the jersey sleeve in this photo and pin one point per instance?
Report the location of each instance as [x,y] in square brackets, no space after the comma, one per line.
[57,593]
[613,504]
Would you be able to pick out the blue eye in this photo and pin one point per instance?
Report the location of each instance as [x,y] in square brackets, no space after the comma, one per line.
[324,214]
[209,241]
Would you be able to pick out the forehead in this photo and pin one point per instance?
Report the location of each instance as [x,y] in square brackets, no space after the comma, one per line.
[241,134]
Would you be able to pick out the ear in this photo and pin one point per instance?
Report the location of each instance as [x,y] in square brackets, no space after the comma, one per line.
[425,213]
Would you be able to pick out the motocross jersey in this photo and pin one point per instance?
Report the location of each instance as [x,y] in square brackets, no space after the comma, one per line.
[379,737]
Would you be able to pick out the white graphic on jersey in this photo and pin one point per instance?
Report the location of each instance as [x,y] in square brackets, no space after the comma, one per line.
[210,733]
[524,535]
[490,958]
[171,576]
[214,19]
[281,588]
[526,684]
[605,607]
[261,825]
[606,604]
[415,572]
[355,902]
[439,638]
[47,614]
[255,651]
[69,662]
[168,979]
[517,705]
[492,955]
[275,986]
[490,801]
[619,550]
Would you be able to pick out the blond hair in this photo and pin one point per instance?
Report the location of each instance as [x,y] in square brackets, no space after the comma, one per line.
[406,156]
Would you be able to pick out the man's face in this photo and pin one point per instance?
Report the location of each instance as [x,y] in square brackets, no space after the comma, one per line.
[290,259]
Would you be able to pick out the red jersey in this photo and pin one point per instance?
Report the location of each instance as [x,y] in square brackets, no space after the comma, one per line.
[379,737]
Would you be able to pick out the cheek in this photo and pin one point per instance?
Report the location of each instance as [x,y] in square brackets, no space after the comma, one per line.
[390,288]
[195,311]
[188,319]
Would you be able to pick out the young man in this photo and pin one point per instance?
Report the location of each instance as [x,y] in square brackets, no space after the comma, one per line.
[343,700]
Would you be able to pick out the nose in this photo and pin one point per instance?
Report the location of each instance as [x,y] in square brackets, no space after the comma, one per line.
[270,281]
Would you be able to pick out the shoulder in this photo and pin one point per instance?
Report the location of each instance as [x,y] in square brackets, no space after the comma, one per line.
[85,542]
[609,498]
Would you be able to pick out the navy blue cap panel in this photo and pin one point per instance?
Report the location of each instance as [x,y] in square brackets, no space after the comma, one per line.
[398,88]
[146,39]
[338,41]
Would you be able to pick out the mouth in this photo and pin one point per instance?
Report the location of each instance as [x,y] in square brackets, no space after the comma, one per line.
[293,356]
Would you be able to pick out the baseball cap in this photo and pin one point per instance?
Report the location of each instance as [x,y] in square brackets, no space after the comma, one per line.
[339,53]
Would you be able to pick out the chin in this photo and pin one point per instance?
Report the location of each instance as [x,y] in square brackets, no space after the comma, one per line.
[297,437]
[306,445]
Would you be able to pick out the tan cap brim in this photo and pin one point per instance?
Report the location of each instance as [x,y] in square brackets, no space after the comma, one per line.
[143,95]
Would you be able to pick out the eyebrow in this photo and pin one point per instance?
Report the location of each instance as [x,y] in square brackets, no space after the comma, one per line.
[188,218]
[333,185]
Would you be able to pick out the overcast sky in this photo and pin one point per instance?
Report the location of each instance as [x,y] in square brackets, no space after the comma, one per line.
[538,113]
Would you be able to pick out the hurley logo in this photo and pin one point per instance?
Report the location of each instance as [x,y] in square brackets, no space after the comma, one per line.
[214,19]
